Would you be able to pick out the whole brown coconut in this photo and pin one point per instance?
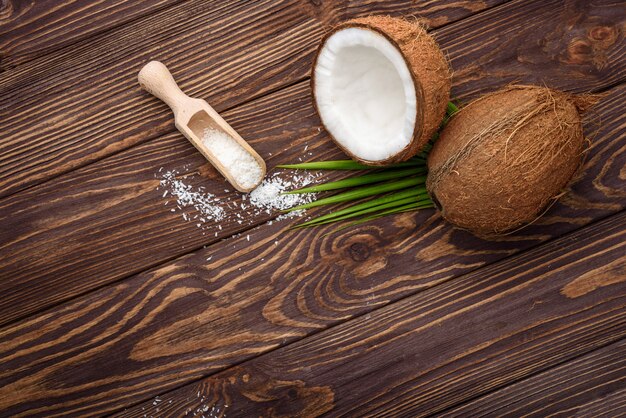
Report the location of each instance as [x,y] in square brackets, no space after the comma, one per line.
[381,86]
[505,157]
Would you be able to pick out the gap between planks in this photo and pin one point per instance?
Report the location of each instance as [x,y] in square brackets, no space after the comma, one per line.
[531,375]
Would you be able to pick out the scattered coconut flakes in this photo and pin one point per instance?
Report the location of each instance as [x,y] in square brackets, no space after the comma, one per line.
[205,203]
[290,215]
[268,195]
[267,198]
[248,173]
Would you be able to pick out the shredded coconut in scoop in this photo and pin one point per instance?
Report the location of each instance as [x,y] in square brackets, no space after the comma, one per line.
[244,169]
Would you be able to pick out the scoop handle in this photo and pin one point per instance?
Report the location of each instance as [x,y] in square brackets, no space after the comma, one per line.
[155,78]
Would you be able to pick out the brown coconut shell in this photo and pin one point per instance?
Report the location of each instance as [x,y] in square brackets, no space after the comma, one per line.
[505,157]
[428,66]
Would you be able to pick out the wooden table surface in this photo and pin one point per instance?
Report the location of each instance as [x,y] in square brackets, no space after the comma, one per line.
[110,303]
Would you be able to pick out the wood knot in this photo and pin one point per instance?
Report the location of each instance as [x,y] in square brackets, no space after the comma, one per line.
[604,36]
[592,49]
[270,395]
[8,10]
[359,251]
[361,255]
[580,51]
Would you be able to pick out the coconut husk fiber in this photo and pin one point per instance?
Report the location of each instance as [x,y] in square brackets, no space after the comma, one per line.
[506,156]
[428,66]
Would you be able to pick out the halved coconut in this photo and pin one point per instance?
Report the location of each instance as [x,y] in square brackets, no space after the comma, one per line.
[381,86]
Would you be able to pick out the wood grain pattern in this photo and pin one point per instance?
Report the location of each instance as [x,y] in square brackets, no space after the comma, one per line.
[438,348]
[591,386]
[32,28]
[572,45]
[432,14]
[122,191]
[239,298]
[280,41]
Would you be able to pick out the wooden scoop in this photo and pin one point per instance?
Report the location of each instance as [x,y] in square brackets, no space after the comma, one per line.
[192,116]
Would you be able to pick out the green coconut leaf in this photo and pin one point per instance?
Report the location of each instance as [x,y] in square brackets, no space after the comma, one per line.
[423,204]
[360,180]
[364,192]
[385,202]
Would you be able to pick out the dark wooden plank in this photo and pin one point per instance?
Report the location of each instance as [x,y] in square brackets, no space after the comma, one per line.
[590,386]
[239,298]
[56,218]
[609,406]
[30,29]
[425,353]
[277,50]
[433,14]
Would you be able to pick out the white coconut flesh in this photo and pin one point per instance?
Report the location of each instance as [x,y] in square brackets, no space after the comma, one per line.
[365,94]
